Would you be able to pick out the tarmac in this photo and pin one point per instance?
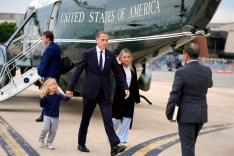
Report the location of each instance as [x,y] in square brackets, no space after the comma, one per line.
[152,134]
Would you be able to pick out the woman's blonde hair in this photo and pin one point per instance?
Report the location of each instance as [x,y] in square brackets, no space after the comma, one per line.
[45,87]
[125,50]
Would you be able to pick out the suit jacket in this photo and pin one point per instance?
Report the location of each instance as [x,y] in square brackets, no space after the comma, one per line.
[125,107]
[189,93]
[51,62]
[96,79]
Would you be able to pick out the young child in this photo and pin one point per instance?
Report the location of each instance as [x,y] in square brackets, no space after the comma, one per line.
[50,101]
[123,109]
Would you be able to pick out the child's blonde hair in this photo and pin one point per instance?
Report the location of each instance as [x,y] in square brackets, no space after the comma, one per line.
[45,87]
[125,50]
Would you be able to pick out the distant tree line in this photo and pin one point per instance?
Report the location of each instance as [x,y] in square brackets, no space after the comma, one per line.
[6,30]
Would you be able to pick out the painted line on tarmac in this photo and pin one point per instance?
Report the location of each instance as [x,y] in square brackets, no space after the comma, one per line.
[163,147]
[157,145]
[5,147]
[13,143]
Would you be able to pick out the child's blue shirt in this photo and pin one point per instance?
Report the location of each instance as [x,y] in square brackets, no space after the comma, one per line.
[51,103]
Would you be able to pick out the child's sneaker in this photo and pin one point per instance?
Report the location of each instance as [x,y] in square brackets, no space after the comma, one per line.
[41,143]
[50,146]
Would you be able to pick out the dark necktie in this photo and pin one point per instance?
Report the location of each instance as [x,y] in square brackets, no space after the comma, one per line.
[100,61]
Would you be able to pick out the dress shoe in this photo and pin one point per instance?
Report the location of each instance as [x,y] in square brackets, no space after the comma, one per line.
[117,149]
[40,119]
[83,148]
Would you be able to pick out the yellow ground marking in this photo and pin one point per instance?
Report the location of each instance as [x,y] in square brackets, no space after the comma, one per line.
[2,152]
[152,146]
[158,143]
[15,147]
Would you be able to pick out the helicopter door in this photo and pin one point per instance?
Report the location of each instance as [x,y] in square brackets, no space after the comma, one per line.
[54,15]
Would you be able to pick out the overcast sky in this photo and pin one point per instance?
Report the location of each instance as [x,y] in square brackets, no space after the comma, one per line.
[224,14]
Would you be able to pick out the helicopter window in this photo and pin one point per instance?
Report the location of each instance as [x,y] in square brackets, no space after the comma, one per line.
[1,57]
[54,15]
[24,37]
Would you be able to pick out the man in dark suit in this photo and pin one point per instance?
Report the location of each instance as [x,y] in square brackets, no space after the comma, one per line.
[98,63]
[189,93]
[50,62]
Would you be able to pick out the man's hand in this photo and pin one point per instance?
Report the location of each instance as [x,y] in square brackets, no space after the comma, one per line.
[127,93]
[69,93]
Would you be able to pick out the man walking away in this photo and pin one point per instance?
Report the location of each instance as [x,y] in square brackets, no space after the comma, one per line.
[189,91]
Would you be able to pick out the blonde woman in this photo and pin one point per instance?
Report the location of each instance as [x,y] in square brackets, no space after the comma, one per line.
[50,101]
[123,109]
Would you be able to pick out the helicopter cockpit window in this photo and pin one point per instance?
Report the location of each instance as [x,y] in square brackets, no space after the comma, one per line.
[1,58]
[24,38]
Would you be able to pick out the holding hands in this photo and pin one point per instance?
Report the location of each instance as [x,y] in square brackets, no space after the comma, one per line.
[69,93]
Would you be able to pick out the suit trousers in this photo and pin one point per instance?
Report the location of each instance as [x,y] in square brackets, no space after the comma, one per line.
[106,111]
[188,133]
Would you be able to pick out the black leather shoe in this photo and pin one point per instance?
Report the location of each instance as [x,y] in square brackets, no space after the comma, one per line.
[40,119]
[117,149]
[83,148]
